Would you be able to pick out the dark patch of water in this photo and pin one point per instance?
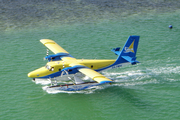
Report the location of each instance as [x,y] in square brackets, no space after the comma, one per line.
[34,13]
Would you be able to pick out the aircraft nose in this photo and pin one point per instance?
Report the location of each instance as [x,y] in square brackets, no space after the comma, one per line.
[37,73]
[29,75]
[33,74]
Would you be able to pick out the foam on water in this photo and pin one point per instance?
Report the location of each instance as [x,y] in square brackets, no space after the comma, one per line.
[48,82]
[167,70]
[42,81]
[126,78]
[121,79]
[87,91]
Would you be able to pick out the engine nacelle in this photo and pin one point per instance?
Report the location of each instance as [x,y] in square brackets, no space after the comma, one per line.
[57,56]
[72,70]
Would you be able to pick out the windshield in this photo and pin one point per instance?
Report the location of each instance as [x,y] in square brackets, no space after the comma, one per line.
[48,67]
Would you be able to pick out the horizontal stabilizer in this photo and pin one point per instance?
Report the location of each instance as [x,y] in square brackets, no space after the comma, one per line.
[132,60]
[116,50]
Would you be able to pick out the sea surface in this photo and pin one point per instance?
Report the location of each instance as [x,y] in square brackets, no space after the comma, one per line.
[145,91]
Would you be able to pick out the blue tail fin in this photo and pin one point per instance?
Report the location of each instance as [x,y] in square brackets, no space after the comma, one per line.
[128,53]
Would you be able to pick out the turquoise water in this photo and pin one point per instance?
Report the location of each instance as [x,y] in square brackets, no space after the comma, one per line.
[149,90]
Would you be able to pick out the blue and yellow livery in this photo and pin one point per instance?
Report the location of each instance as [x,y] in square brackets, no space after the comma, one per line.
[62,63]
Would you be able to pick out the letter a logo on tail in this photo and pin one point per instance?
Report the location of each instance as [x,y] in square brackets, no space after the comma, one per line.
[130,48]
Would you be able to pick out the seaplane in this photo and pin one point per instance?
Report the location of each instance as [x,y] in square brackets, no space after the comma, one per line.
[62,65]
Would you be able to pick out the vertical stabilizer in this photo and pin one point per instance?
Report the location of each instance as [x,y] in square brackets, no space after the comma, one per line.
[128,53]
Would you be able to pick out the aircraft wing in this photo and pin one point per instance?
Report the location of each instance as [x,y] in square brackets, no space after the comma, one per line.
[53,46]
[91,73]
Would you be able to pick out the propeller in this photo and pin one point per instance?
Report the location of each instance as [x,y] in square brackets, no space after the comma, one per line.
[47,53]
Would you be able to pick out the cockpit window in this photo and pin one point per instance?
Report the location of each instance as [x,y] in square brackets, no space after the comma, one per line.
[48,67]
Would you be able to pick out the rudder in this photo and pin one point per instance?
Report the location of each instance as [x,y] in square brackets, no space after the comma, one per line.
[128,53]
[130,48]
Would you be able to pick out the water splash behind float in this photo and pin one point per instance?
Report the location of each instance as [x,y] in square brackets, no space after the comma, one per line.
[121,79]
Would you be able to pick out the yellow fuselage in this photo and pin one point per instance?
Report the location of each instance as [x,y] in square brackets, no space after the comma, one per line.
[56,66]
